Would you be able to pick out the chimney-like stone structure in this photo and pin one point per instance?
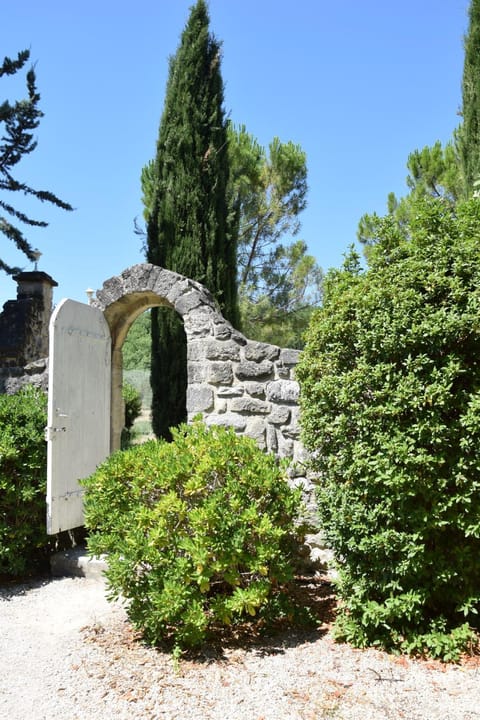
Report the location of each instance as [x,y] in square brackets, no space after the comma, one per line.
[24,331]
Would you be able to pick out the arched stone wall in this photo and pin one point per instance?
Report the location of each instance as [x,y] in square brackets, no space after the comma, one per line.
[231,380]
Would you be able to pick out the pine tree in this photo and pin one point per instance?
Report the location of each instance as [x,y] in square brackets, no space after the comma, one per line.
[470,130]
[189,226]
[19,121]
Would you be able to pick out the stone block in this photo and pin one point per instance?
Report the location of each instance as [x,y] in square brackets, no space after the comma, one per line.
[249,370]
[200,398]
[279,415]
[255,389]
[258,351]
[250,406]
[220,373]
[196,351]
[197,372]
[256,430]
[283,391]
[271,437]
[229,392]
[222,350]
[188,302]
[289,357]
[222,331]
[237,422]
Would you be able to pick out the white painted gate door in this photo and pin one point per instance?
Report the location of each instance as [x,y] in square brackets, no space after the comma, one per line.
[78,431]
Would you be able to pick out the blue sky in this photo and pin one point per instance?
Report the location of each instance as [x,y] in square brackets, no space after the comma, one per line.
[358,85]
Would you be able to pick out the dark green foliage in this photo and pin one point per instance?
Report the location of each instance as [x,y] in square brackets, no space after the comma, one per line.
[188,220]
[200,532]
[136,350]
[23,477]
[133,404]
[168,372]
[19,121]
[469,136]
[390,387]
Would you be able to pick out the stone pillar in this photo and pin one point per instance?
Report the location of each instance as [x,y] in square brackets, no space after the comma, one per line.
[24,321]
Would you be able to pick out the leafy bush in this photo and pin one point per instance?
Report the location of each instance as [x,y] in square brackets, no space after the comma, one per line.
[133,404]
[133,407]
[390,388]
[199,532]
[23,474]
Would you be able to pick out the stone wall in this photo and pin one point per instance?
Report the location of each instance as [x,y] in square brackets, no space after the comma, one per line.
[232,380]
[24,332]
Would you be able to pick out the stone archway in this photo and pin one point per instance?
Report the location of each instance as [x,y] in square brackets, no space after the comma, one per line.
[124,297]
[232,381]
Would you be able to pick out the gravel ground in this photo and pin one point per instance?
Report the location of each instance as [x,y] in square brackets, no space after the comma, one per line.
[67,653]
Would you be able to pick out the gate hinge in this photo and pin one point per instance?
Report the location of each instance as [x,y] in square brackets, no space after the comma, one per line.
[50,432]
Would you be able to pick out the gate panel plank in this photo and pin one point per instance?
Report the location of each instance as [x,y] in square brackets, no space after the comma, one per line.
[78,432]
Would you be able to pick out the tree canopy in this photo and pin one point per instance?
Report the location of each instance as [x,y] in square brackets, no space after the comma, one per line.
[279,282]
[19,120]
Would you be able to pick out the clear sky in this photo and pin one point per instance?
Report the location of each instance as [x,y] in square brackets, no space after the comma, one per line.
[358,84]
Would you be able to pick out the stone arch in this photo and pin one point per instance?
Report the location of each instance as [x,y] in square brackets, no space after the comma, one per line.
[232,381]
[126,296]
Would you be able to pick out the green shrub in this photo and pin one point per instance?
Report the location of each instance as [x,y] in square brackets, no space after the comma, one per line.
[133,404]
[133,407]
[23,474]
[390,388]
[199,532]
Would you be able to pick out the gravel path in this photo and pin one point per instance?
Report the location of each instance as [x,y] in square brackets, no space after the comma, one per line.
[67,653]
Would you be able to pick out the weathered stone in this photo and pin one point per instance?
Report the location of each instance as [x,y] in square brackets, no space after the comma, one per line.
[291,431]
[249,405]
[200,398]
[237,422]
[255,389]
[249,370]
[163,281]
[197,372]
[177,288]
[285,446]
[221,406]
[256,430]
[272,441]
[220,373]
[283,372]
[222,331]
[239,337]
[258,351]
[198,322]
[196,351]
[229,392]
[279,415]
[288,356]
[187,302]
[222,350]
[283,391]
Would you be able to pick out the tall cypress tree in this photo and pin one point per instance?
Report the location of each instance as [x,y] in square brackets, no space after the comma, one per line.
[189,226]
[469,139]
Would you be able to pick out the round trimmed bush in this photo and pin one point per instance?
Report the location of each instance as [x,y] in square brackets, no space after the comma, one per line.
[199,532]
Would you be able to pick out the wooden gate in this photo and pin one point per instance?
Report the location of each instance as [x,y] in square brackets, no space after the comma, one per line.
[78,431]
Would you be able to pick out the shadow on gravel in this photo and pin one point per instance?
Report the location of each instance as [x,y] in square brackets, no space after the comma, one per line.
[314,595]
[11,587]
